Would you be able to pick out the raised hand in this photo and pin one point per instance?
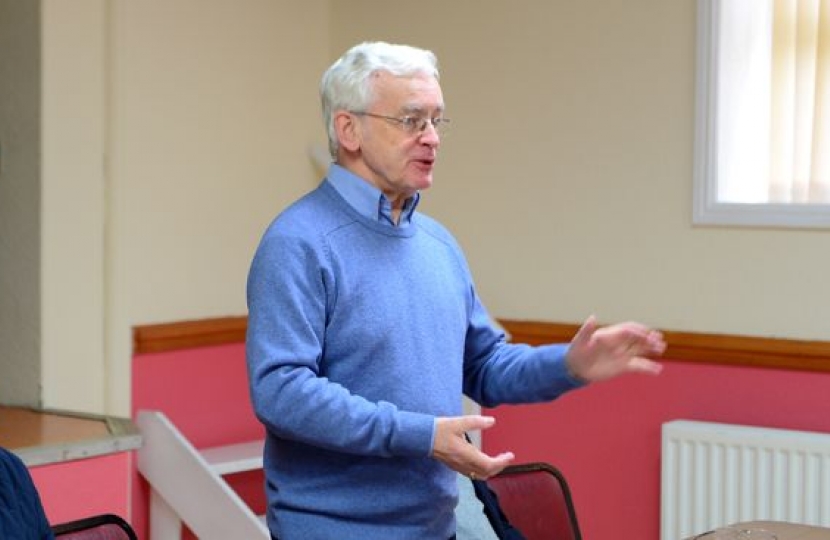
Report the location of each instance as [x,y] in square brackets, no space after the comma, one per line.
[598,354]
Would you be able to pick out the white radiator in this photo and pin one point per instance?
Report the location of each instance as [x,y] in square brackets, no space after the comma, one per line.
[715,474]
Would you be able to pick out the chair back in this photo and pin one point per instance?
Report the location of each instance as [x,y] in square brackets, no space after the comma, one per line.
[100,527]
[537,501]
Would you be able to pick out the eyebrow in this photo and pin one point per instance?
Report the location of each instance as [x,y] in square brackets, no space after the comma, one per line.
[416,110]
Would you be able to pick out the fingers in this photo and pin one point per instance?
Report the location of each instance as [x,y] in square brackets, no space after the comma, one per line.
[642,342]
[650,343]
[656,342]
[631,337]
[488,466]
[449,434]
[644,365]
[600,353]
[634,338]
[452,449]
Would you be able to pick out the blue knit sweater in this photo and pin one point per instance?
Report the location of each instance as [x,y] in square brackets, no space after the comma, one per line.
[21,513]
[360,334]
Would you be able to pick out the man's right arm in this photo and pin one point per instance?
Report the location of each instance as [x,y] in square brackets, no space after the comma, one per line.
[284,346]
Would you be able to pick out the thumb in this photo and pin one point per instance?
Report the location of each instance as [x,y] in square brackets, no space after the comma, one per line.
[473,422]
[583,335]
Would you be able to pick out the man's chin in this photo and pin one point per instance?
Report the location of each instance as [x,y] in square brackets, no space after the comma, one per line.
[422,183]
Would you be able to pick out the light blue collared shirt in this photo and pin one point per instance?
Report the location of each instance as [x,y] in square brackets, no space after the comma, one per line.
[367,199]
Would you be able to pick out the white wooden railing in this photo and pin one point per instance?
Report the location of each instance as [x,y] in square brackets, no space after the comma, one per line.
[187,484]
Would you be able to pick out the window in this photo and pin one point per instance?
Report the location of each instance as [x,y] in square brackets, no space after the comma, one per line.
[762,142]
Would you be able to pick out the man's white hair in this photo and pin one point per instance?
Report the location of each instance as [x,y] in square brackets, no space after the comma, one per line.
[348,85]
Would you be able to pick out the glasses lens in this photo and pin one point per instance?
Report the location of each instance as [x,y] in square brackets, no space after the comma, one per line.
[439,124]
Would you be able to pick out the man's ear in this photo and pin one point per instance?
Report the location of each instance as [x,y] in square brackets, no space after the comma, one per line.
[348,131]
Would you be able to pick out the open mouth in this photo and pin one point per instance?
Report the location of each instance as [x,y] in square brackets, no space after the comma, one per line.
[425,162]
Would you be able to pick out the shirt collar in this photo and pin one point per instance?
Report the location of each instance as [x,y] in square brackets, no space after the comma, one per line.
[368,200]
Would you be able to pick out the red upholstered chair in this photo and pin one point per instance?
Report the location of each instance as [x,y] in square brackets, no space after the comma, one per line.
[101,527]
[537,501]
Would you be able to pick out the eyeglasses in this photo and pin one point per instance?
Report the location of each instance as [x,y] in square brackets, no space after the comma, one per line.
[412,125]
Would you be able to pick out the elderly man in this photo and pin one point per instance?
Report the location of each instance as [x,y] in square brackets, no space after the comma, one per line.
[365,327]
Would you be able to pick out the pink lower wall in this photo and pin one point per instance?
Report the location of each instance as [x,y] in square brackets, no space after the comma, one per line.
[84,487]
[606,438]
[204,392]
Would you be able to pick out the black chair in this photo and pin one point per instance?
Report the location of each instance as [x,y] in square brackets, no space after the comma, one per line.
[100,527]
[536,499]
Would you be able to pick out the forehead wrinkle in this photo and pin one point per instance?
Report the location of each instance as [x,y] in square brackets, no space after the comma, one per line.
[418,93]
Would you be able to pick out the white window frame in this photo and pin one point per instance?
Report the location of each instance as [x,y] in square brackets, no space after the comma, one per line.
[707,210]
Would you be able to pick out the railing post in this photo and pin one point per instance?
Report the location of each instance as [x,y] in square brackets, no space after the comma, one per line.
[185,489]
[164,522]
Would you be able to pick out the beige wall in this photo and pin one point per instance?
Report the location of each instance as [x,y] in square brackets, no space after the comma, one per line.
[214,105]
[19,202]
[72,206]
[568,174]
[173,132]
[566,177]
